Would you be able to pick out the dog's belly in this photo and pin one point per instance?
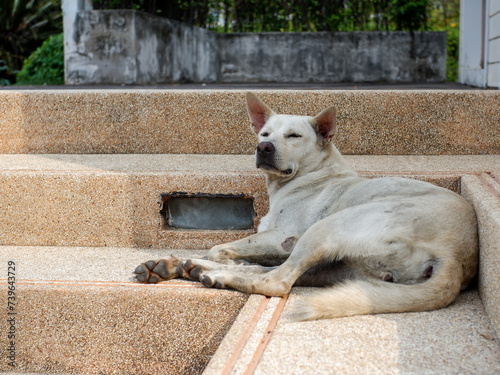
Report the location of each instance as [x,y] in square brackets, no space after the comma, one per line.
[391,236]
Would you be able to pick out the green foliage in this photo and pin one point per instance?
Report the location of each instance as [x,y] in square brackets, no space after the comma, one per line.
[444,15]
[3,68]
[193,12]
[310,15]
[452,51]
[409,14]
[24,25]
[45,66]
[290,15]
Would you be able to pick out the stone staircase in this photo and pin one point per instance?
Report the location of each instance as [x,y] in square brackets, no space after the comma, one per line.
[84,176]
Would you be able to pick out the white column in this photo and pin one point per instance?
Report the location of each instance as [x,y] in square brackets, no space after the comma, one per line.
[473,42]
[70,9]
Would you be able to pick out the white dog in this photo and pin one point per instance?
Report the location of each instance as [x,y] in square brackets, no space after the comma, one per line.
[378,245]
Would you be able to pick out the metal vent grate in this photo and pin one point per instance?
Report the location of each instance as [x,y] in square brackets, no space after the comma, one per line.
[207,211]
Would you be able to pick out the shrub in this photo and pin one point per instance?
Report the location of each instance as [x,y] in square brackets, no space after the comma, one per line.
[24,25]
[3,68]
[45,66]
[452,52]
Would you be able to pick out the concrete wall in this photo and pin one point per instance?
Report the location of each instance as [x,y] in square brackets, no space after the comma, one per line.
[333,57]
[129,47]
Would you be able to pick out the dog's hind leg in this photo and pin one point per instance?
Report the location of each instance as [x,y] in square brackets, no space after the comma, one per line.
[357,236]
[375,230]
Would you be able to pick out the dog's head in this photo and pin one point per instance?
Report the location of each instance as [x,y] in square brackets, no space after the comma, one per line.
[289,144]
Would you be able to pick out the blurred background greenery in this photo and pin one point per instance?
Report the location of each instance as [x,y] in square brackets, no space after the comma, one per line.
[31,43]
[24,26]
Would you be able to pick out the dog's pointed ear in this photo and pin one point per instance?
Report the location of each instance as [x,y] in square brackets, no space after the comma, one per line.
[258,112]
[324,124]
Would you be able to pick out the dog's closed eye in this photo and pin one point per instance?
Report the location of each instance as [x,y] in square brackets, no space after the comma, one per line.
[293,135]
[265,134]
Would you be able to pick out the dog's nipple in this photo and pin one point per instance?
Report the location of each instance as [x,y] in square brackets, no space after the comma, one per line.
[289,244]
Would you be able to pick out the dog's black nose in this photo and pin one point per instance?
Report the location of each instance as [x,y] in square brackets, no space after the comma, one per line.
[265,148]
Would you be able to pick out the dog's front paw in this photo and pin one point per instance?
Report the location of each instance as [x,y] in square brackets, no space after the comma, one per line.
[153,271]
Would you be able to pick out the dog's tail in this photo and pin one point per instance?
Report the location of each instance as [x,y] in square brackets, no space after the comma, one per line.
[359,297]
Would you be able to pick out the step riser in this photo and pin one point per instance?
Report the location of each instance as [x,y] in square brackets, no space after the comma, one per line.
[62,209]
[115,209]
[215,122]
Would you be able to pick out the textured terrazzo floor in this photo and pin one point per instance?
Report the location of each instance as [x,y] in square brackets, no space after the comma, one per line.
[456,340]
[113,199]
[93,218]
[79,313]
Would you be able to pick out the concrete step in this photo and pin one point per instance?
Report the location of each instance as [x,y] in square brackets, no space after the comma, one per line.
[417,122]
[455,340]
[112,200]
[77,311]
[483,191]
[75,225]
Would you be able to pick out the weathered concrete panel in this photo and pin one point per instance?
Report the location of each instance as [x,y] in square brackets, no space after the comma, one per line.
[174,51]
[333,57]
[105,44]
[129,47]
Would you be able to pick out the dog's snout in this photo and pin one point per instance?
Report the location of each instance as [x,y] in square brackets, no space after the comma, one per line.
[265,148]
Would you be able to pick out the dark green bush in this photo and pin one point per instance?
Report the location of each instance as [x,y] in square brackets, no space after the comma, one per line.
[24,25]
[452,51]
[45,66]
[3,68]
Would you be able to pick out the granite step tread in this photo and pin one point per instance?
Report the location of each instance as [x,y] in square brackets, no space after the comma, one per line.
[113,200]
[457,339]
[76,310]
[151,163]
[88,283]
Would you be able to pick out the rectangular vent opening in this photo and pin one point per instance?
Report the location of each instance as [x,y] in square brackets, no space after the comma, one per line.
[207,211]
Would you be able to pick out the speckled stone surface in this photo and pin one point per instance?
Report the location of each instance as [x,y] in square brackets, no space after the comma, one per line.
[215,121]
[112,200]
[78,312]
[455,340]
[75,203]
[83,264]
[447,341]
[119,329]
[484,193]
